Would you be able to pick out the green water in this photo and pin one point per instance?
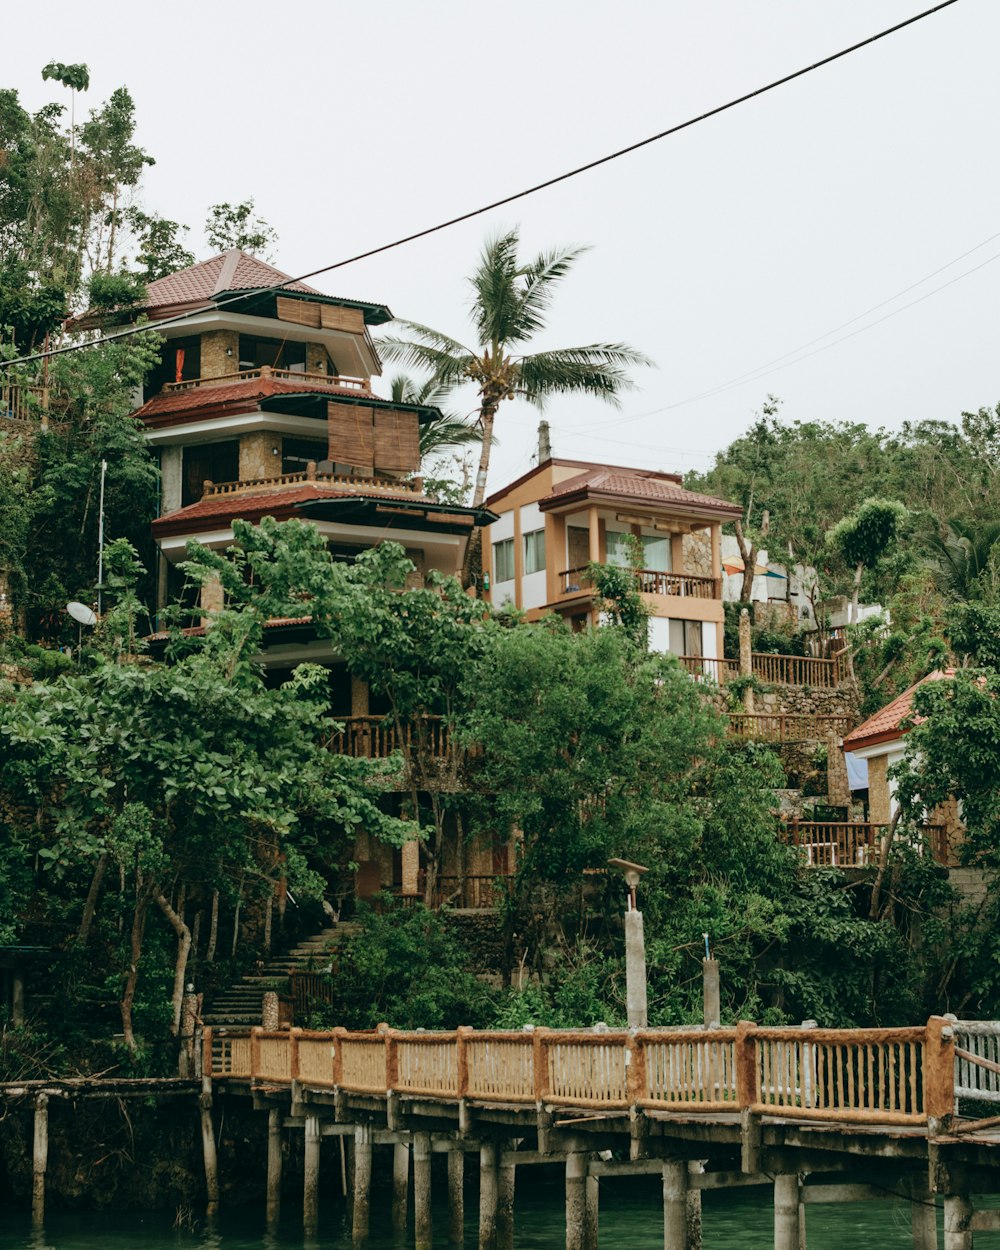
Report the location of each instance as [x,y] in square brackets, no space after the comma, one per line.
[630,1218]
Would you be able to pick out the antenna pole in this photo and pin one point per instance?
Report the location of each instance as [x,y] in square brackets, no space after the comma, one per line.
[100,538]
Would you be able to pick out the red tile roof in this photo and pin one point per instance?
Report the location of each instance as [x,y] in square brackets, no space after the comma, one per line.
[250,390]
[636,486]
[885,724]
[216,510]
[229,271]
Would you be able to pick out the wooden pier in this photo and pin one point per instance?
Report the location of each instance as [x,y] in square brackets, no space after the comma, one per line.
[818,1115]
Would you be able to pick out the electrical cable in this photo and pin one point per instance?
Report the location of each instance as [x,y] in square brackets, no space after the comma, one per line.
[507,199]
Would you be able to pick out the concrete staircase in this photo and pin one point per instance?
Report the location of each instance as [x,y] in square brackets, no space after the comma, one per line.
[240,1004]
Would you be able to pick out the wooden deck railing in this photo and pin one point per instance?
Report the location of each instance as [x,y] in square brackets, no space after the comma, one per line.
[886,1076]
[268,371]
[798,670]
[785,727]
[376,737]
[853,843]
[702,666]
[22,403]
[650,582]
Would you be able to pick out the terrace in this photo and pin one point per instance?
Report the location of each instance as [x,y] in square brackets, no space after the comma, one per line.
[307,380]
[858,844]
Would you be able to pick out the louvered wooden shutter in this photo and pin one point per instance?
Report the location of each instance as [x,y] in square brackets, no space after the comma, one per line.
[351,435]
[300,311]
[397,441]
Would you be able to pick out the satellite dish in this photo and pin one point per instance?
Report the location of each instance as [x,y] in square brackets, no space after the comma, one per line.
[81,613]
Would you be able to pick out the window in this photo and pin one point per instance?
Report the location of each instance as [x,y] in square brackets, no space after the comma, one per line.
[297,452]
[503,561]
[534,552]
[655,553]
[180,362]
[619,548]
[213,462]
[280,354]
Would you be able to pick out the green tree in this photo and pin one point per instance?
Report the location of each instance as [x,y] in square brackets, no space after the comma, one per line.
[238,225]
[510,305]
[865,537]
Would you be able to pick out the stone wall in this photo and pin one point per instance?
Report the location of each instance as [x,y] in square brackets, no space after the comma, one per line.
[257,458]
[808,700]
[214,361]
[697,548]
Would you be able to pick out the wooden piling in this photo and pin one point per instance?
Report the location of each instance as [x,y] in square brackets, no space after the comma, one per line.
[422,1225]
[39,1159]
[488,1182]
[273,1166]
[208,1151]
[456,1196]
[675,1187]
[505,1204]
[310,1176]
[576,1201]
[592,1213]
[786,1211]
[923,1222]
[400,1184]
[362,1184]
[957,1222]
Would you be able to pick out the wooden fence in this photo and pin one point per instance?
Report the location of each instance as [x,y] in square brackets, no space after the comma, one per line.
[853,843]
[786,727]
[649,582]
[22,403]
[376,737]
[775,670]
[886,1076]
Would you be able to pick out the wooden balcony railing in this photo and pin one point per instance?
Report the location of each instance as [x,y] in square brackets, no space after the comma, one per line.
[376,737]
[22,403]
[482,891]
[786,727]
[650,582]
[903,1076]
[703,666]
[798,670]
[267,371]
[854,844]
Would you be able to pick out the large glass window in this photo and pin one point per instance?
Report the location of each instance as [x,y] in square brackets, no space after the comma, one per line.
[655,550]
[534,551]
[619,548]
[503,560]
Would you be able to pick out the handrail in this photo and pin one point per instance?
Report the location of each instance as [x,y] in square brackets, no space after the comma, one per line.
[23,402]
[797,670]
[901,1076]
[269,371]
[376,737]
[701,666]
[371,485]
[787,727]
[650,582]
[853,843]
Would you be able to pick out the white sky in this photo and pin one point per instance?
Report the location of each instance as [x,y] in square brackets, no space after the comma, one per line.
[715,252]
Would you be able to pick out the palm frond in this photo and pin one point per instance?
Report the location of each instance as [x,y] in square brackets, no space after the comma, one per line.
[447,431]
[428,336]
[599,370]
[497,300]
[426,392]
[445,366]
[540,279]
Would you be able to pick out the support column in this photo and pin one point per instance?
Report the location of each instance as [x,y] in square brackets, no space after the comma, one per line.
[592,1214]
[635,970]
[488,1182]
[208,1151]
[17,998]
[39,1159]
[576,1201]
[505,1206]
[786,1211]
[273,1166]
[310,1176]
[957,1218]
[456,1196]
[712,1005]
[422,1228]
[675,1188]
[923,1222]
[362,1183]
[400,1184]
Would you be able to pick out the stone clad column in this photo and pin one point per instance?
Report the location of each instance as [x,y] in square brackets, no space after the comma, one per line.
[310,1176]
[675,1221]
[400,1184]
[786,1211]
[362,1183]
[422,1227]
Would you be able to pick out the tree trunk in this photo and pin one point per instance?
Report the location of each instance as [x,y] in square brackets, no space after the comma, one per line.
[213,929]
[142,896]
[90,906]
[748,554]
[474,546]
[180,965]
[858,572]
[236,916]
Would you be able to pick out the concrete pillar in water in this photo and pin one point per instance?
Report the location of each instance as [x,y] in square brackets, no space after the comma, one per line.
[957,1218]
[273,1166]
[592,1214]
[208,1152]
[422,1226]
[786,1211]
[923,1222]
[400,1184]
[635,970]
[39,1159]
[675,1190]
[576,1201]
[362,1183]
[505,1206]
[488,1181]
[456,1196]
[310,1176]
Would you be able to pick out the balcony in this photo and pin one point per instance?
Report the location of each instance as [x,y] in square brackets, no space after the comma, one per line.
[855,844]
[650,582]
[774,670]
[370,485]
[23,404]
[282,375]
[787,727]
[376,737]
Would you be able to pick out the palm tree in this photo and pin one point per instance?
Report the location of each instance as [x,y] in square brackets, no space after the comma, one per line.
[961,555]
[509,307]
[443,433]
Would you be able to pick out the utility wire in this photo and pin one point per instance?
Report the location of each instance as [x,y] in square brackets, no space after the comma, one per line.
[508,199]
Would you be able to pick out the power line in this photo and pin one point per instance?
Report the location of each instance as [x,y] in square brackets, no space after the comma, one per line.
[517,195]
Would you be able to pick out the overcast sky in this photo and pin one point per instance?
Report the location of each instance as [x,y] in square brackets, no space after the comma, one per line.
[716,252]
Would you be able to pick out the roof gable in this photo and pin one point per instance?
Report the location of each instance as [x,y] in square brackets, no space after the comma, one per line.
[229,271]
[885,725]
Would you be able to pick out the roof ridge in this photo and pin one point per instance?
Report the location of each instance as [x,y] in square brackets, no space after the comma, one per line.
[229,263]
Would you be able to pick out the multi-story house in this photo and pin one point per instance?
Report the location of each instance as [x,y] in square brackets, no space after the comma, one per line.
[563,515]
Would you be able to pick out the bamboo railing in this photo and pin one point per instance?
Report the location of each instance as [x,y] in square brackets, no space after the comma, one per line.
[853,843]
[786,727]
[798,670]
[376,737]
[884,1076]
[702,666]
[22,403]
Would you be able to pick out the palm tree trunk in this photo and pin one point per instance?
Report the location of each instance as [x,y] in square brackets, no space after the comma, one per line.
[472,564]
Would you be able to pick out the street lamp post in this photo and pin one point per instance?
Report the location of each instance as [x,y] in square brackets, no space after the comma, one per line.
[635,947]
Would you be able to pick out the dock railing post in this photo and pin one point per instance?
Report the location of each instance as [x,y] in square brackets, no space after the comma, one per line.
[273,1167]
[635,1087]
[748,1095]
[39,1159]
[939,1074]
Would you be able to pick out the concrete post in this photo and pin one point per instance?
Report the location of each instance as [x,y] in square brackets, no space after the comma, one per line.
[576,1201]
[710,991]
[310,1176]
[488,1185]
[208,1151]
[592,1216]
[675,1187]
[786,1211]
[39,1159]
[17,998]
[456,1196]
[362,1184]
[400,1184]
[422,1234]
[505,1206]
[273,1166]
[923,1222]
[635,970]
[957,1218]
